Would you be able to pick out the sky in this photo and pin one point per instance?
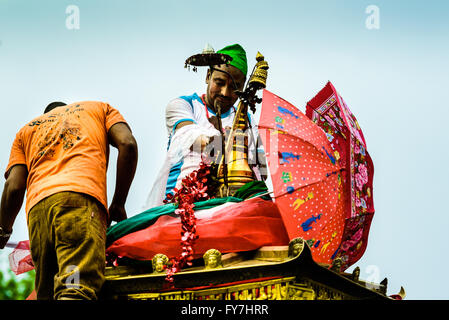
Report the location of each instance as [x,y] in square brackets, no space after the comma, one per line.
[388,60]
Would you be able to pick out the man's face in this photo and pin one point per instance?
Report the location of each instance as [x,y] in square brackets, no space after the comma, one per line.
[212,261]
[221,87]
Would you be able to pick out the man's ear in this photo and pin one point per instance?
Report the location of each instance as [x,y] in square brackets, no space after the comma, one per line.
[208,76]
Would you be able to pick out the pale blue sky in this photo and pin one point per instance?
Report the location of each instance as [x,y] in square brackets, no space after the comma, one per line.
[131,54]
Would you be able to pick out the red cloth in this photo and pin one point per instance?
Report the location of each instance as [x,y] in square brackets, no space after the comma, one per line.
[20,258]
[233,227]
[32,296]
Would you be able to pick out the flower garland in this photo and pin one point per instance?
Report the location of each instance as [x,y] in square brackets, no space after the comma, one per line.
[195,187]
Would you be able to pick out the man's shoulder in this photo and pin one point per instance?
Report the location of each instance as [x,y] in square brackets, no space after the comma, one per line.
[188,100]
[89,104]
[191,98]
[92,107]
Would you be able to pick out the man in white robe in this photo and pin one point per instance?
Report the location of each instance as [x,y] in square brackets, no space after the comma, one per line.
[192,126]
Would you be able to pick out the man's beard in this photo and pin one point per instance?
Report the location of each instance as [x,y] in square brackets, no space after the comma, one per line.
[223,103]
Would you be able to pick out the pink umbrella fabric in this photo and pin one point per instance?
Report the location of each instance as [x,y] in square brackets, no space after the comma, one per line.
[329,111]
[306,176]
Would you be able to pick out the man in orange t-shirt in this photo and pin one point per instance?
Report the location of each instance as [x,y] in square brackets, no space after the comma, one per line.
[60,159]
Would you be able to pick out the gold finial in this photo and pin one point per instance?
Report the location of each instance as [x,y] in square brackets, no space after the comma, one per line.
[295,247]
[212,259]
[159,262]
[356,274]
[402,293]
[208,49]
[260,74]
[336,265]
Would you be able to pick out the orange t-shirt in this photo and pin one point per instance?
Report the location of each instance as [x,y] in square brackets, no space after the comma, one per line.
[66,149]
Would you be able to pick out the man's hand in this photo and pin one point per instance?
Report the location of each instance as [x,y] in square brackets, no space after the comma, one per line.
[116,213]
[4,236]
[3,242]
[214,121]
[200,143]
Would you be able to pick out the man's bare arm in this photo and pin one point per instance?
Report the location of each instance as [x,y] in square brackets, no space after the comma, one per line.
[120,136]
[12,198]
[183,124]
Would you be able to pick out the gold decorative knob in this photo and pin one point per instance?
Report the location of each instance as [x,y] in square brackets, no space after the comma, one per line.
[159,263]
[212,259]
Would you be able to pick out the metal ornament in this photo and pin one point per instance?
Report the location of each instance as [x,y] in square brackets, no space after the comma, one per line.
[212,259]
[207,58]
[159,263]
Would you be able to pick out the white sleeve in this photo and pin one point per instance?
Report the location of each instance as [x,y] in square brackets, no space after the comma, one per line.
[177,111]
[181,141]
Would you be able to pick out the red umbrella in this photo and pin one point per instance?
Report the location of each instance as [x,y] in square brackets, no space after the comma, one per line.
[330,112]
[306,177]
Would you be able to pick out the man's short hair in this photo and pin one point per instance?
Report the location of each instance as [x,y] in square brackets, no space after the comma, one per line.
[53,105]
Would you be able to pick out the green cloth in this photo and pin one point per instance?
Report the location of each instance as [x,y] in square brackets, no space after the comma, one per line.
[251,189]
[147,218]
[238,55]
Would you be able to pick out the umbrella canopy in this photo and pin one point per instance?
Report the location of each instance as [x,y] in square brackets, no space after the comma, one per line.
[330,112]
[306,177]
